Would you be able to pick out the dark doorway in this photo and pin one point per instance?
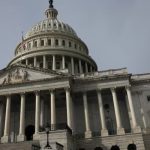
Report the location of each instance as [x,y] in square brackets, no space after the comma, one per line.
[29,131]
[98,148]
[132,147]
[115,147]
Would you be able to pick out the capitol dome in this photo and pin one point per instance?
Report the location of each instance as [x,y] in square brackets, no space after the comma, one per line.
[52,44]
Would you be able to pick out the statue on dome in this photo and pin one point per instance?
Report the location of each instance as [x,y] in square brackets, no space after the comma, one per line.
[51,4]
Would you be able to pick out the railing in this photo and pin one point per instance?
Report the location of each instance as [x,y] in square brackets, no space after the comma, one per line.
[54,127]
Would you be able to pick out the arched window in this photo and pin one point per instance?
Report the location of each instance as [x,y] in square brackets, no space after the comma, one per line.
[115,147]
[132,147]
[63,43]
[98,148]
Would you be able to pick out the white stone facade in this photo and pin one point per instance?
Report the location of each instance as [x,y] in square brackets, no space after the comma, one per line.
[52,79]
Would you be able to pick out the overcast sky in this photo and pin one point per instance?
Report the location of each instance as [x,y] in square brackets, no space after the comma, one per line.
[117,32]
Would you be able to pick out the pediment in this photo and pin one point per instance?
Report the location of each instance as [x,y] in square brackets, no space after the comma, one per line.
[20,74]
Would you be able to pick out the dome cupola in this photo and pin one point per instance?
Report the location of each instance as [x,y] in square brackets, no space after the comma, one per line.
[51,13]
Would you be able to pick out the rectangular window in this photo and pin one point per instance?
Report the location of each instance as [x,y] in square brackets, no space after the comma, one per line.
[42,42]
[49,42]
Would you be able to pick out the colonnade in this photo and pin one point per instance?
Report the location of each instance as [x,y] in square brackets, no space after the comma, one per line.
[83,66]
[88,131]
[104,130]
[52,43]
[38,101]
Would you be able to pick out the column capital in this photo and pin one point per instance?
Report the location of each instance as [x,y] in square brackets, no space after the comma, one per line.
[67,88]
[8,95]
[128,87]
[99,90]
[84,92]
[22,93]
[113,89]
[37,92]
[52,90]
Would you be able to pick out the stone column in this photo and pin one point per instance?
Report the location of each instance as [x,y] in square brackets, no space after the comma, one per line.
[72,65]
[42,113]
[104,131]
[44,62]
[136,128]
[86,67]
[45,41]
[80,67]
[38,42]
[1,118]
[63,62]
[52,42]
[120,130]
[54,62]
[37,113]
[68,106]
[5,138]
[88,132]
[21,136]
[53,110]
[35,62]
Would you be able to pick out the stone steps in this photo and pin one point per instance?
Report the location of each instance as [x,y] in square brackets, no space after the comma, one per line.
[19,146]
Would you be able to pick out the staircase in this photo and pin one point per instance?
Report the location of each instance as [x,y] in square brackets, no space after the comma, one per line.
[29,145]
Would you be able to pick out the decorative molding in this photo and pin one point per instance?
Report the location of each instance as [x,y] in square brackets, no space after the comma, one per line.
[16,76]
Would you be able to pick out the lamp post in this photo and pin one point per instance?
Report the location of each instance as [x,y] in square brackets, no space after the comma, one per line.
[47,129]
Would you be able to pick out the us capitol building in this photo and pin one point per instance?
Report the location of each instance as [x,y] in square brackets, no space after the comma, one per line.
[53,80]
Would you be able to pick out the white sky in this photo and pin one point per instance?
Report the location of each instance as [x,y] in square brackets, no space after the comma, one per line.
[117,32]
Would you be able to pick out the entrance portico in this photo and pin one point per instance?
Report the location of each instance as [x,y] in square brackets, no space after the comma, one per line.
[45,100]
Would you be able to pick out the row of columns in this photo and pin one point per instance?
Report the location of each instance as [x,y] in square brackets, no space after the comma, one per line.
[45,65]
[88,133]
[38,102]
[104,131]
[53,43]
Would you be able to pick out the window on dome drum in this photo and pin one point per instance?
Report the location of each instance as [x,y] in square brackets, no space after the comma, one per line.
[42,42]
[75,46]
[70,44]
[35,44]
[148,98]
[63,43]
[29,45]
[56,42]
[49,42]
